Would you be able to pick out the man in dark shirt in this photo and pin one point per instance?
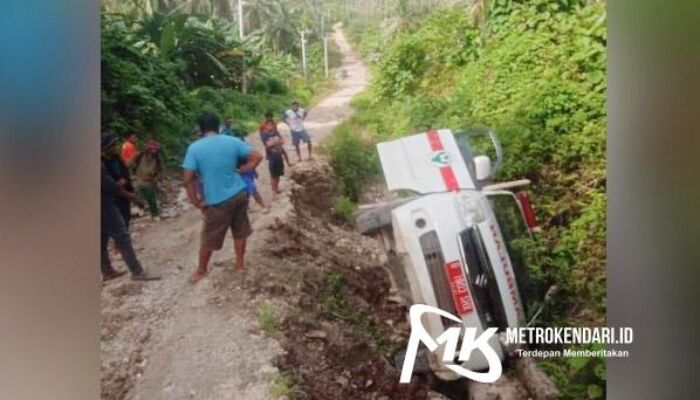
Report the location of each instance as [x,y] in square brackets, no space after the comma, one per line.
[121,175]
[111,220]
[274,151]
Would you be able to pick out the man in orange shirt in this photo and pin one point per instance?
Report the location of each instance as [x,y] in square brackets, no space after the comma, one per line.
[129,149]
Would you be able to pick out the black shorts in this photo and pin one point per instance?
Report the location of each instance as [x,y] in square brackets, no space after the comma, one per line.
[276,164]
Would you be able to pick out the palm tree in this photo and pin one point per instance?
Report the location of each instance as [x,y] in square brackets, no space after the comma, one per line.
[257,13]
[404,20]
[274,24]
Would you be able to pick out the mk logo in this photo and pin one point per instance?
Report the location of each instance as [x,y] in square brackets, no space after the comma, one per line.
[450,338]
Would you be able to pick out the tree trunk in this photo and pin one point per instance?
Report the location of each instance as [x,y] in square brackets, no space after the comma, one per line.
[224,10]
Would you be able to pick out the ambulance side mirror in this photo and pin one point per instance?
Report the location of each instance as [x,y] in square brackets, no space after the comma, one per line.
[482,167]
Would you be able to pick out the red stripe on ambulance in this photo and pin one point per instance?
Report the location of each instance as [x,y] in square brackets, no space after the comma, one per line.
[448,174]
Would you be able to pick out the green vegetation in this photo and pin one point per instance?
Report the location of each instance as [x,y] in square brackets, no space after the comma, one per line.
[535,71]
[283,385]
[268,319]
[165,62]
[343,208]
[353,156]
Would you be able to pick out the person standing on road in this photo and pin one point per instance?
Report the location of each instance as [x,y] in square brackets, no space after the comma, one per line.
[294,118]
[119,171]
[111,222]
[147,167]
[274,151]
[224,204]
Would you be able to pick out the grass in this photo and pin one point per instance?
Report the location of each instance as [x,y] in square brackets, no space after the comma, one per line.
[343,209]
[268,319]
[283,385]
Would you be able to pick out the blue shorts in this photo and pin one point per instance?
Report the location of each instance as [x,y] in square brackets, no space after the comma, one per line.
[300,136]
[249,179]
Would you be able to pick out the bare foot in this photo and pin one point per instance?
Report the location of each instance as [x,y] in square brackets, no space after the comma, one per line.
[236,272]
[238,268]
[197,276]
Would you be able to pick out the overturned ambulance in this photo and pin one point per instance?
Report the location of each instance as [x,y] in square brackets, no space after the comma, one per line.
[451,238]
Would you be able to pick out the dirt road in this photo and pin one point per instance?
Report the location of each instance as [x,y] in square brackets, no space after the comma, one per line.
[329,112]
[171,340]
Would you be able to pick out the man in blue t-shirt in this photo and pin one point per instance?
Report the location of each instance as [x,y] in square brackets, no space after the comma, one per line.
[223,198]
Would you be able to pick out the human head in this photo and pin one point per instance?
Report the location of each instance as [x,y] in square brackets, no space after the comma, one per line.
[268,115]
[295,105]
[208,122]
[153,146]
[228,121]
[132,138]
[108,145]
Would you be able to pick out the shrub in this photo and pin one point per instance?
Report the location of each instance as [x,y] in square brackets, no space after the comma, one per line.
[343,209]
[353,160]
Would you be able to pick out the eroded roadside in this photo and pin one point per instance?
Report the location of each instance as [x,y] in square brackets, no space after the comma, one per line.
[329,303]
[330,295]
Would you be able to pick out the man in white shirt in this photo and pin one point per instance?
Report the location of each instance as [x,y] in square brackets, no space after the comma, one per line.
[294,118]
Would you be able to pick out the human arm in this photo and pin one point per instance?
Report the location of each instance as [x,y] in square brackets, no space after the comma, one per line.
[110,187]
[193,194]
[190,166]
[270,142]
[254,159]
[286,157]
[285,119]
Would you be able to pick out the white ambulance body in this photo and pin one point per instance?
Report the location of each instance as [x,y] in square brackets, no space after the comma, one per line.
[448,238]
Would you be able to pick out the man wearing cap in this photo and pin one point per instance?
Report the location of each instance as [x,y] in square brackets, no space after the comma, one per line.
[294,118]
[223,200]
[111,220]
[147,167]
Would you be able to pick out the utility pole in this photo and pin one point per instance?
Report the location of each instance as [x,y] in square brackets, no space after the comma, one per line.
[325,44]
[241,34]
[240,20]
[303,53]
[325,54]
